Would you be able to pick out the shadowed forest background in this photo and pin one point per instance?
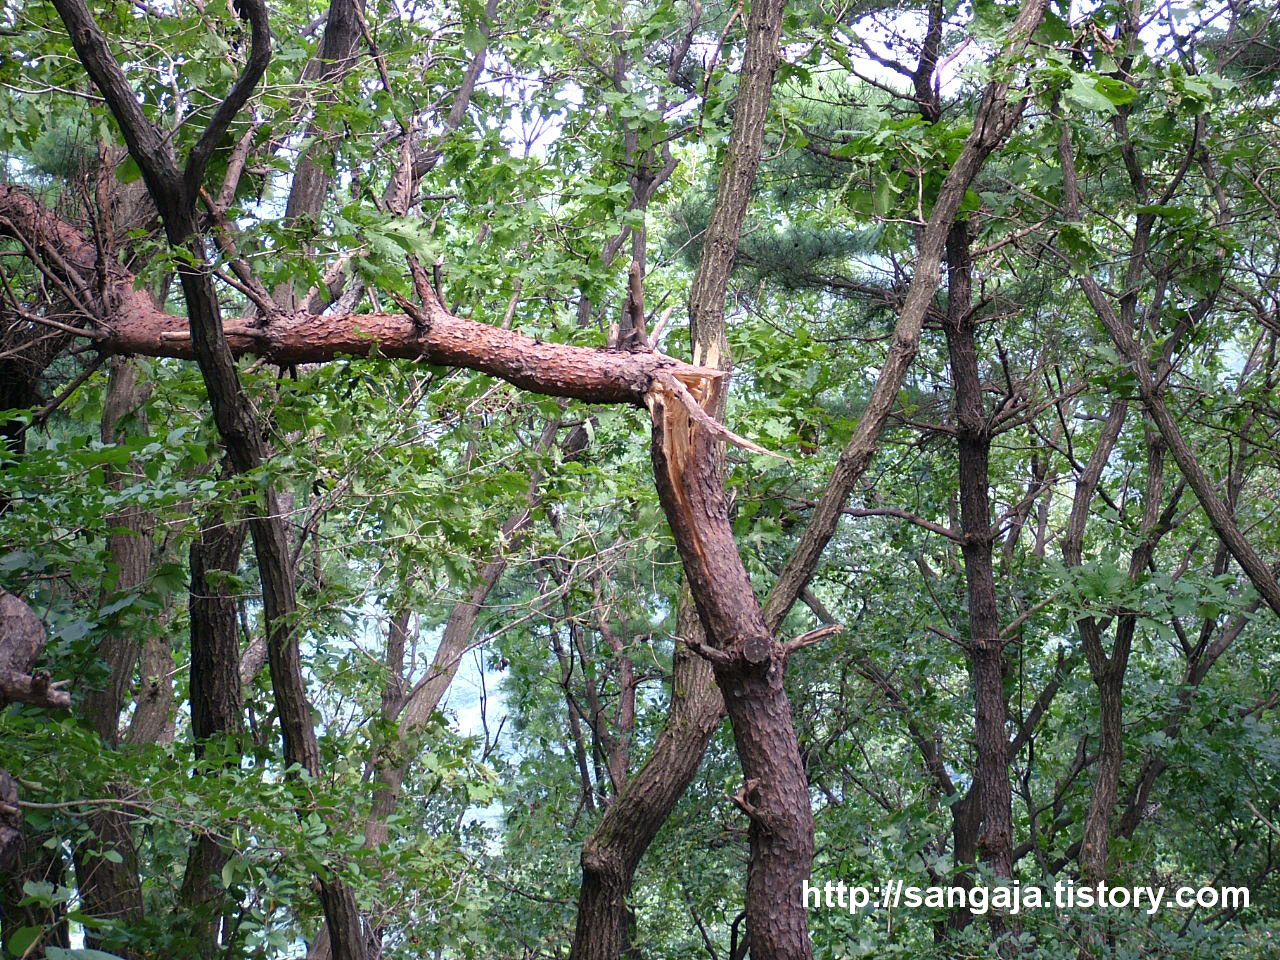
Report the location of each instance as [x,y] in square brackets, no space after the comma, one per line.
[523,480]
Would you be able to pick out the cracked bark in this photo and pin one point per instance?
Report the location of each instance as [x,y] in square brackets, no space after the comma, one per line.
[216,707]
[995,119]
[749,665]
[992,793]
[1120,318]
[612,852]
[129,545]
[112,888]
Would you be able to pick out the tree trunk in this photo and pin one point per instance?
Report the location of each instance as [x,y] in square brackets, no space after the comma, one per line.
[174,189]
[1151,393]
[337,53]
[748,660]
[985,645]
[613,850]
[111,888]
[129,545]
[216,707]
[749,665]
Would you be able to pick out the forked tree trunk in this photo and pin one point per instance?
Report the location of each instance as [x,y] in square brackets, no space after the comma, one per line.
[612,852]
[748,662]
[749,666]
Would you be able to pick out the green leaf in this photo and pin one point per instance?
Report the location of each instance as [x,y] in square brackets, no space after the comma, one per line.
[128,171]
[473,37]
[22,939]
[1117,91]
[1084,93]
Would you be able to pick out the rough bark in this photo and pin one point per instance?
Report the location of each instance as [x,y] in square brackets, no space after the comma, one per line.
[110,889]
[966,824]
[10,822]
[1210,646]
[1090,632]
[129,546]
[134,325]
[614,849]
[985,644]
[216,706]
[737,175]
[1108,673]
[153,719]
[749,665]
[32,862]
[738,630]
[995,120]
[642,801]
[1107,670]
[23,856]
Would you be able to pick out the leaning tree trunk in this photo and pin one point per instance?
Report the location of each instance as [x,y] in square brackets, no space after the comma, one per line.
[613,850]
[748,662]
[749,666]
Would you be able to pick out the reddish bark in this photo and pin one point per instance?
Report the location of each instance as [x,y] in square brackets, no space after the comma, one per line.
[748,662]
[749,665]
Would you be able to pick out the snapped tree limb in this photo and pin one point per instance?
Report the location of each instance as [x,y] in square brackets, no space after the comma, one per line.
[130,323]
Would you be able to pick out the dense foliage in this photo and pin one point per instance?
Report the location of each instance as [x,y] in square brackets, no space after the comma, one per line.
[490,607]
